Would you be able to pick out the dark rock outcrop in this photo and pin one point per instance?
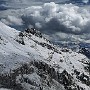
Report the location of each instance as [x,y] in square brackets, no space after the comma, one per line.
[43,70]
[85,52]
[34,32]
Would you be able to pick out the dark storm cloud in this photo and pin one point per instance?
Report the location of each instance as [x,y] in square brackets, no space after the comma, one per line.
[28,20]
[54,26]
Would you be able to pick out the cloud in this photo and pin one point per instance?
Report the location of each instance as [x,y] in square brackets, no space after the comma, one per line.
[12,20]
[65,18]
[63,21]
[85,1]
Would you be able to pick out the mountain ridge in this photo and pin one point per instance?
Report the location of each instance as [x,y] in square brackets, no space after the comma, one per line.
[28,61]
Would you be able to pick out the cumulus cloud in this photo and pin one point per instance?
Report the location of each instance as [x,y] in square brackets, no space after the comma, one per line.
[60,20]
[12,20]
[65,18]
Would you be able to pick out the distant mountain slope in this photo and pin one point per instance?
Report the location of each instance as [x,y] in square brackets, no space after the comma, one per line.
[28,61]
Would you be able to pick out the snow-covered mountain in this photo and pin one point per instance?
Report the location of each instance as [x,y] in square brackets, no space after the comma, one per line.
[28,61]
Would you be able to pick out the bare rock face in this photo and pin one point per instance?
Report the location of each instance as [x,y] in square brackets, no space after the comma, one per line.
[40,76]
[33,76]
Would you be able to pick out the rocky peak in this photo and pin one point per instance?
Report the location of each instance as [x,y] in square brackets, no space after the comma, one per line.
[28,61]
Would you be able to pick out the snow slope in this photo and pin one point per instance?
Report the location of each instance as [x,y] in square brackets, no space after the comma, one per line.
[71,69]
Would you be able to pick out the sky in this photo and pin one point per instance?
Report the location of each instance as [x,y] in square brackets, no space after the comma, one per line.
[62,20]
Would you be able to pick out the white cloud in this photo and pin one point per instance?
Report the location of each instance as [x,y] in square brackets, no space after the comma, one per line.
[67,20]
[64,19]
[71,16]
[38,25]
[85,1]
[4,89]
[12,20]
